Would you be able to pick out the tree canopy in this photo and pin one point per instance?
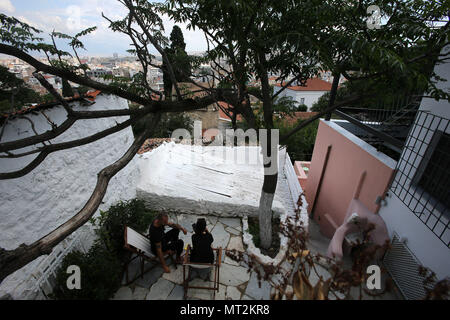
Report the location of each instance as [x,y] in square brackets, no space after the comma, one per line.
[248,41]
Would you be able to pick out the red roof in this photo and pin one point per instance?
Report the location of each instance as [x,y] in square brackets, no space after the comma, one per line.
[293,118]
[91,95]
[153,143]
[314,84]
[223,115]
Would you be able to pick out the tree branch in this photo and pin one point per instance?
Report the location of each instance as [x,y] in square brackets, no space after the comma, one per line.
[12,260]
[71,76]
[53,92]
[48,149]
[155,43]
[321,114]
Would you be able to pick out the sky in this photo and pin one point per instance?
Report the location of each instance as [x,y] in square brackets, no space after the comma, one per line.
[72,16]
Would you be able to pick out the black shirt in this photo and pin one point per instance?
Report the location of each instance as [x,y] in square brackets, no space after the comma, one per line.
[202,251]
[156,235]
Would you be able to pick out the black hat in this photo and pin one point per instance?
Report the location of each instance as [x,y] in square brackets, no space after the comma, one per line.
[200,226]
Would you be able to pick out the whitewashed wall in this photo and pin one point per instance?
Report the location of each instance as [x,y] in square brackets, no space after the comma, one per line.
[425,245]
[37,203]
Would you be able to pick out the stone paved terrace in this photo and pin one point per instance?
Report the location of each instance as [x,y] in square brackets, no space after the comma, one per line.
[235,281]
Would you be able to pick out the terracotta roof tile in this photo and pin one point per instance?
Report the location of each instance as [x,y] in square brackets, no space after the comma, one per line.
[91,95]
[294,117]
[153,143]
[314,84]
[223,115]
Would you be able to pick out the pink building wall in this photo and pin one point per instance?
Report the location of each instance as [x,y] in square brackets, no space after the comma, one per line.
[353,169]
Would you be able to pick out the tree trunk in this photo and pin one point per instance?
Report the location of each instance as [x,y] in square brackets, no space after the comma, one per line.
[265,211]
[334,87]
[66,89]
[269,149]
[265,219]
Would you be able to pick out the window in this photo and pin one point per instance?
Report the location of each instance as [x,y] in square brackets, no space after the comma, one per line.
[422,181]
[433,174]
[302,100]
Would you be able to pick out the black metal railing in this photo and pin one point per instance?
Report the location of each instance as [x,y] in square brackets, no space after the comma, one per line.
[385,125]
[398,111]
[422,181]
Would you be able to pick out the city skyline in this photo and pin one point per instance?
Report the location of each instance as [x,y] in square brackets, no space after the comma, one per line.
[72,16]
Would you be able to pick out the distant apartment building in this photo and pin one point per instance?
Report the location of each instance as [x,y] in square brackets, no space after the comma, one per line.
[98,73]
[307,94]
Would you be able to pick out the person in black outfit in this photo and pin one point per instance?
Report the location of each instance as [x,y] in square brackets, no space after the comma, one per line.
[165,242]
[201,248]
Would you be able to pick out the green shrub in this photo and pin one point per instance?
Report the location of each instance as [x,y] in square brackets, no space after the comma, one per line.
[110,224]
[300,146]
[101,267]
[100,275]
[302,108]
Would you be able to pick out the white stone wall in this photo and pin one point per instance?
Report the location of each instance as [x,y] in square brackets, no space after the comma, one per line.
[34,205]
[426,246]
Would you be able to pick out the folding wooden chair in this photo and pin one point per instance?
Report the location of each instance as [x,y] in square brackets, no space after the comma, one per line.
[139,244]
[198,265]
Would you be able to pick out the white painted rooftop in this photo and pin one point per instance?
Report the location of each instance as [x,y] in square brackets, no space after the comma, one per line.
[225,181]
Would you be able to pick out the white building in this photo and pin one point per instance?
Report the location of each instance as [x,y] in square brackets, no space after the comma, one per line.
[417,208]
[37,203]
[308,94]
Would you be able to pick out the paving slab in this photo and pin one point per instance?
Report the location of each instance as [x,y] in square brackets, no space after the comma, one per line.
[140,293]
[160,290]
[255,291]
[134,269]
[233,231]
[212,219]
[221,294]
[150,277]
[221,237]
[186,221]
[175,275]
[231,222]
[235,243]
[124,293]
[228,260]
[233,293]
[177,293]
[201,294]
[233,275]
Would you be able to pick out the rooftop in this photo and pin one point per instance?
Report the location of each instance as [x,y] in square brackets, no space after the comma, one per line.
[313,84]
